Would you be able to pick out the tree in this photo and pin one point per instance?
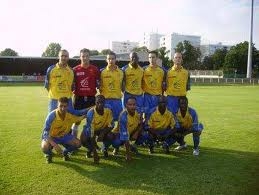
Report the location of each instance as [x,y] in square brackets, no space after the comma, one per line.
[236,58]
[8,52]
[162,54]
[191,54]
[207,63]
[94,52]
[137,49]
[52,50]
[219,58]
[105,51]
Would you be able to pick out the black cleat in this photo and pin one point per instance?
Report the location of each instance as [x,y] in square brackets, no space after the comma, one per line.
[48,159]
[151,150]
[105,153]
[66,157]
[89,154]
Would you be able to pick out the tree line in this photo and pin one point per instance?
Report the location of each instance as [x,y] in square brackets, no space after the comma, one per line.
[230,61]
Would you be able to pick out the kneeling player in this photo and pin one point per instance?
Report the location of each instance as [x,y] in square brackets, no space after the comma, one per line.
[57,131]
[98,126]
[186,123]
[160,125]
[129,129]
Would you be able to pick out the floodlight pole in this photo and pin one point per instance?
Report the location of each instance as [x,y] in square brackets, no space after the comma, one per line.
[249,57]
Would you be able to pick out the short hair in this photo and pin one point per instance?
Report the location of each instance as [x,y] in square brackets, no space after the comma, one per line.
[131,98]
[85,51]
[63,100]
[111,53]
[63,50]
[153,52]
[183,98]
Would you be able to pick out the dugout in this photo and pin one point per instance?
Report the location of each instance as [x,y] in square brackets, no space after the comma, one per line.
[38,65]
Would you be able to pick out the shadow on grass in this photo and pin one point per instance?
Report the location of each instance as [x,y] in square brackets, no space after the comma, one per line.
[215,171]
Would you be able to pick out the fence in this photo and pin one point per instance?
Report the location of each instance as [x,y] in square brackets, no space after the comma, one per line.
[225,81]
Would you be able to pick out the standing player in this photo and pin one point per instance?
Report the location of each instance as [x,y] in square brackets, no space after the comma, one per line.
[153,83]
[178,83]
[111,85]
[57,131]
[59,80]
[86,81]
[133,75]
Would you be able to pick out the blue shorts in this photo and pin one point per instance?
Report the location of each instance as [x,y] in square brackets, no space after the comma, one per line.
[165,132]
[172,103]
[150,102]
[53,104]
[116,107]
[63,140]
[139,98]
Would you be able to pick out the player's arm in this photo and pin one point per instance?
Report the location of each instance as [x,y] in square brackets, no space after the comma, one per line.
[124,135]
[164,82]
[47,77]
[188,85]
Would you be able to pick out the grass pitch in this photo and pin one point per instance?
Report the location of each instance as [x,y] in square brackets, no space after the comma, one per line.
[228,161]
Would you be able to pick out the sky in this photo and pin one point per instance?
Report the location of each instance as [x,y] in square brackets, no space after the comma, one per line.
[28,26]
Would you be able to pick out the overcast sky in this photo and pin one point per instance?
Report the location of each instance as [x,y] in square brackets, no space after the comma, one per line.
[28,26]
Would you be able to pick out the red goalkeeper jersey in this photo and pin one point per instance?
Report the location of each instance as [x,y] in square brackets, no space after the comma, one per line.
[86,80]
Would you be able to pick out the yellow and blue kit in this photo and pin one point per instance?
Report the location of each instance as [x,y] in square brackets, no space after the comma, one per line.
[177,84]
[127,125]
[189,123]
[133,85]
[96,122]
[59,81]
[111,89]
[153,82]
[160,122]
[56,127]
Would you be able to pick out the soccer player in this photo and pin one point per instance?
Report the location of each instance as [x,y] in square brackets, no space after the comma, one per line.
[133,75]
[161,125]
[57,131]
[59,80]
[111,85]
[129,129]
[99,124]
[153,83]
[178,83]
[186,123]
[86,80]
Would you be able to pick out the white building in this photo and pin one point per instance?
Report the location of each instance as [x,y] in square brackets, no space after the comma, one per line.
[151,41]
[170,41]
[209,49]
[123,47]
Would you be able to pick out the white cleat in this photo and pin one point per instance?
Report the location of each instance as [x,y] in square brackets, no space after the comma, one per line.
[196,152]
[181,147]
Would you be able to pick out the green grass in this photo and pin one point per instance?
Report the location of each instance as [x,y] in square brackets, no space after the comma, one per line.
[228,162]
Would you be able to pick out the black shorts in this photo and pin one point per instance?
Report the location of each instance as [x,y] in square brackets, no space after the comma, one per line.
[82,102]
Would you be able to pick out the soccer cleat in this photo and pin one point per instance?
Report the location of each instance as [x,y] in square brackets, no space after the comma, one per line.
[134,149]
[181,147]
[196,152]
[166,149]
[48,159]
[89,154]
[115,152]
[151,150]
[66,157]
[105,153]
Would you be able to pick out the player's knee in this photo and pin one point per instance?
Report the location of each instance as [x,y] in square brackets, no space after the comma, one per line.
[45,145]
